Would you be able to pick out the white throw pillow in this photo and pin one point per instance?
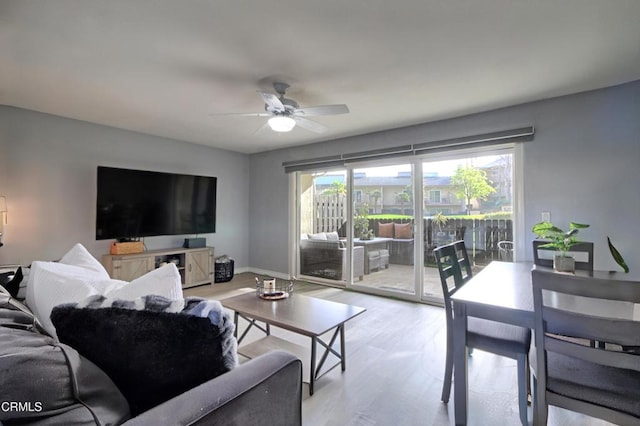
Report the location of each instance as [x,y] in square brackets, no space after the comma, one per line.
[164,281]
[51,284]
[80,256]
[79,275]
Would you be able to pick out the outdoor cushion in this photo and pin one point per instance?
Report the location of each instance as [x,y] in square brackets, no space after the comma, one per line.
[385,230]
[319,236]
[332,236]
[403,230]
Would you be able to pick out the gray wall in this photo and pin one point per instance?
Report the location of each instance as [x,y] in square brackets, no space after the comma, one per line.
[582,167]
[48,174]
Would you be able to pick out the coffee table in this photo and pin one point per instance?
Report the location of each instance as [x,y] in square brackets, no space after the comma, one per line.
[300,314]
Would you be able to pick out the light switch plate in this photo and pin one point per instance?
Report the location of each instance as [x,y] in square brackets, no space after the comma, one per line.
[546,216]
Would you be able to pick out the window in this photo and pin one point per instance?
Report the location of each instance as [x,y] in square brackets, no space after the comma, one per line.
[434,196]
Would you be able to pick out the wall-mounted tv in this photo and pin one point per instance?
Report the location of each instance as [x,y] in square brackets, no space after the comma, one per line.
[138,203]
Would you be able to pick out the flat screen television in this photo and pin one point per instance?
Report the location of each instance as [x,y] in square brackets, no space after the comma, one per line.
[138,203]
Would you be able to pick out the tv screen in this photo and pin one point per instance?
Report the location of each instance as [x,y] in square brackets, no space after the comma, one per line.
[139,203]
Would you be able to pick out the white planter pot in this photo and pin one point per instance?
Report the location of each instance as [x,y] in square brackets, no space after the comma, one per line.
[564,263]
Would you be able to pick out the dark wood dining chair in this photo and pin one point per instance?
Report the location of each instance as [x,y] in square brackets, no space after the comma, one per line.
[599,382]
[501,339]
[581,247]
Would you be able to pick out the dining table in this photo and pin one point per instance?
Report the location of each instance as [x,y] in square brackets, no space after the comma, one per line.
[503,292]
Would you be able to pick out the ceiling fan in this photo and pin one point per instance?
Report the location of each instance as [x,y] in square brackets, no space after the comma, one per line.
[285,113]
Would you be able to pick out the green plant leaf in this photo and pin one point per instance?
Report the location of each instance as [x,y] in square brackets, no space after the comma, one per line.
[545,228]
[617,256]
[552,245]
[574,225]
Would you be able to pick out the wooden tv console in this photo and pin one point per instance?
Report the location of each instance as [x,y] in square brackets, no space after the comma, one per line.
[195,265]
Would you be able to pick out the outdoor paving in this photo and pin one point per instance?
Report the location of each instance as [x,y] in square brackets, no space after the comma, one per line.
[400,278]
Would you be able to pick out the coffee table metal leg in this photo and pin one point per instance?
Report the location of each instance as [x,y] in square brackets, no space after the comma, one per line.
[235,322]
[343,352]
[252,323]
[312,367]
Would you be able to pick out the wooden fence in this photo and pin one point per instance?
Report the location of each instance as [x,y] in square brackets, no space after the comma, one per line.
[481,236]
[330,212]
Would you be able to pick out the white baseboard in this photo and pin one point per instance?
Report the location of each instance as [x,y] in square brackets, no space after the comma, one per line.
[273,274]
[259,271]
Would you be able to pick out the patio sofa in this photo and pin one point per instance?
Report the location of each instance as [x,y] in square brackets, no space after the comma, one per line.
[401,247]
[325,255]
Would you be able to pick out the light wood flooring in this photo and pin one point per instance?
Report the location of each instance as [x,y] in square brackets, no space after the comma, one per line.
[395,363]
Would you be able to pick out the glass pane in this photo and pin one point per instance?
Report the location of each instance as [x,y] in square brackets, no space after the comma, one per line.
[383,227]
[323,215]
[474,203]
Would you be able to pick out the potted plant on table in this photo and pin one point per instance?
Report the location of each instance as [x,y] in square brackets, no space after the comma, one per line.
[561,241]
[440,220]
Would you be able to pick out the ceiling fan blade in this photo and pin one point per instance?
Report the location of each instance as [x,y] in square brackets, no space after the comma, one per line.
[323,110]
[243,114]
[272,101]
[263,130]
[310,125]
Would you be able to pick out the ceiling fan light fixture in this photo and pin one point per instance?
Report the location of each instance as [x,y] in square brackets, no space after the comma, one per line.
[281,123]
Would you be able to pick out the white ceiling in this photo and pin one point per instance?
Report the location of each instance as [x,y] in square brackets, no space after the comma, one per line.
[162,67]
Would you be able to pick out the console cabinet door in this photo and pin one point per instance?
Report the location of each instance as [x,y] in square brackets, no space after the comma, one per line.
[198,267]
[128,269]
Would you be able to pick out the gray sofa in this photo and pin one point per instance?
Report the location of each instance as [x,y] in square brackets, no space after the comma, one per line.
[328,259]
[45,382]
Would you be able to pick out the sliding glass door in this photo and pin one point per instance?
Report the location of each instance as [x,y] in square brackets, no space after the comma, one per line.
[322,222]
[384,227]
[370,225]
[467,198]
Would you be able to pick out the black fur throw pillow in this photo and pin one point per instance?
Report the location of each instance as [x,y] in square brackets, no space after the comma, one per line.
[11,281]
[151,356]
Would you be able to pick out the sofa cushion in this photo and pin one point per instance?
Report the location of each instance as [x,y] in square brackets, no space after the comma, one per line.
[77,276]
[319,236]
[332,236]
[53,382]
[385,230]
[403,230]
[150,354]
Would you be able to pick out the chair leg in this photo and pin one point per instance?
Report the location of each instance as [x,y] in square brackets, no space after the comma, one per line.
[523,385]
[540,408]
[448,369]
[529,395]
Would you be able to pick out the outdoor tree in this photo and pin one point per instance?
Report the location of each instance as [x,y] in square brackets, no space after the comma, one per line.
[403,198]
[375,195]
[471,183]
[336,188]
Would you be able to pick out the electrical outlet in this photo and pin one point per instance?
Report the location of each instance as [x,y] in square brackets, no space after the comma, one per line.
[546,216]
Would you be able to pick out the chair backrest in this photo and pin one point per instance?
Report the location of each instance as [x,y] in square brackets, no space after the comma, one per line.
[505,251]
[558,316]
[453,262]
[582,249]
